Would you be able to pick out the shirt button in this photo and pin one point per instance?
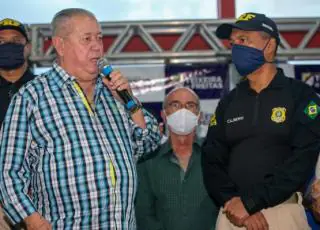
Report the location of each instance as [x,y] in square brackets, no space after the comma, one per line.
[184,212]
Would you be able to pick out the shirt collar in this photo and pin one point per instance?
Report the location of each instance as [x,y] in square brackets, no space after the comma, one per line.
[166,148]
[279,81]
[64,77]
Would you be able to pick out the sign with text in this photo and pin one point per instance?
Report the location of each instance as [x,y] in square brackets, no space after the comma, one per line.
[209,81]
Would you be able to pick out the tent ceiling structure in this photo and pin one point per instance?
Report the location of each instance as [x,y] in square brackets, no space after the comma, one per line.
[178,41]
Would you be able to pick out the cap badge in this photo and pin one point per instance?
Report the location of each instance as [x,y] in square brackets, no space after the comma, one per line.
[246,17]
[9,22]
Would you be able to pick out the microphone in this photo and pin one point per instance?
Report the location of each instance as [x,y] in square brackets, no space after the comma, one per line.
[130,103]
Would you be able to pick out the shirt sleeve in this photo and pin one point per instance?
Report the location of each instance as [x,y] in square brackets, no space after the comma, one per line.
[145,208]
[215,157]
[148,139]
[295,171]
[14,167]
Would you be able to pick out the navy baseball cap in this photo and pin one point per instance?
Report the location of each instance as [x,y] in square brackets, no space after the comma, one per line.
[11,24]
[250,22]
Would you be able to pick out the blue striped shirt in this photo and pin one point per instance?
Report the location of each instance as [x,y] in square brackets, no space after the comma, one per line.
[78,162]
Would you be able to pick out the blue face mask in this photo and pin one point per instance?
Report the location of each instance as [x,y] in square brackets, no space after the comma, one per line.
[247,59]
[11,56]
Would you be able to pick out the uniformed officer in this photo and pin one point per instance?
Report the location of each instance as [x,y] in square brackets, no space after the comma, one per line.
[15,49]
[263,140]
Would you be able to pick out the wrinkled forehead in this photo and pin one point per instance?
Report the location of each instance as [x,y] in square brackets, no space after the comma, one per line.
[10,34]
[83,24]
[182,95]
[238,32]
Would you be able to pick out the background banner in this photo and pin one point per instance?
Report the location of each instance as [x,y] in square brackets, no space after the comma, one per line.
[310,74]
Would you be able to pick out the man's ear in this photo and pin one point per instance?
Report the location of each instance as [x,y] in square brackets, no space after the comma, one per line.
[271,49]
[58,44]
[27,50]
[200,117]
[163,116]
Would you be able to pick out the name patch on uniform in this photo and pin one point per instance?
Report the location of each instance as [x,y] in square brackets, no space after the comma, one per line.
[278,114]
[235,119]
[312,110]
[213,120]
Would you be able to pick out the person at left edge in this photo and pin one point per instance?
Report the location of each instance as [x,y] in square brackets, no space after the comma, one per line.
[15,49]
[74,141]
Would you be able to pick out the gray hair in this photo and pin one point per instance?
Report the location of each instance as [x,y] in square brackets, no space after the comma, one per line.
[165,101]
[264,35]
[267,36]
[60,22]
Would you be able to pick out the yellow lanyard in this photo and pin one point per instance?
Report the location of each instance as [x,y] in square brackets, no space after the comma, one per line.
[83,97]
[112,173]
[88,107]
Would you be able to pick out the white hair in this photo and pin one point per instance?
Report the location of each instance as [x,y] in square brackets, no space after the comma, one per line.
[60,22]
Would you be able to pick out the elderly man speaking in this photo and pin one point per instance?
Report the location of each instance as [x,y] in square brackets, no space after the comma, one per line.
[68,136]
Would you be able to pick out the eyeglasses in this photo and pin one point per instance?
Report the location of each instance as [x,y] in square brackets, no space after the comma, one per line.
[176,105]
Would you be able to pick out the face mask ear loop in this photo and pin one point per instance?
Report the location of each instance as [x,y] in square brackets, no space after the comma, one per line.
[198,116]
[265,46]
[164,112]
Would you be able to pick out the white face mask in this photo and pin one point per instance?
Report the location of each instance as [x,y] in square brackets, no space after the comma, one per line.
[182,122]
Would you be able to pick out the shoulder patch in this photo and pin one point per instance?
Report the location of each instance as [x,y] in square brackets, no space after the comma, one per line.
[312,110]
[213,120]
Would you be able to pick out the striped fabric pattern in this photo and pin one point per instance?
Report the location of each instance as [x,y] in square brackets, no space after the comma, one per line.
[79,164]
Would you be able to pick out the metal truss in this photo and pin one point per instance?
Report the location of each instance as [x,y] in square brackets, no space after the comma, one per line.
[144,42]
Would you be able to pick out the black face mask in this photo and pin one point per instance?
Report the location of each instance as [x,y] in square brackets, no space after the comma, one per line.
[11,56]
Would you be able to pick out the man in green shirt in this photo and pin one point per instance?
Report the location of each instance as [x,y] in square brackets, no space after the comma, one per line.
[171,194]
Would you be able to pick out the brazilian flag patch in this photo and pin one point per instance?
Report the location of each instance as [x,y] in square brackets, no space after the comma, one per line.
[312,110]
